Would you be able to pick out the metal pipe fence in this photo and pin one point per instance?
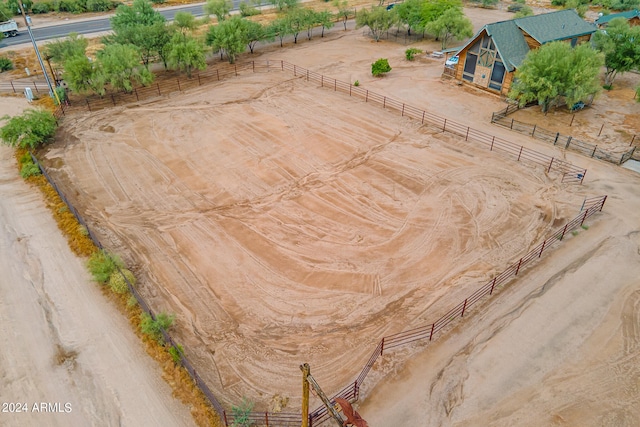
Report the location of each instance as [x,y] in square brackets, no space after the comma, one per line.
[351,391]
[568,142]
[427,332]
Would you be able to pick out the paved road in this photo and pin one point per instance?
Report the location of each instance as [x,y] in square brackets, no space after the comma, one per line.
[93,26]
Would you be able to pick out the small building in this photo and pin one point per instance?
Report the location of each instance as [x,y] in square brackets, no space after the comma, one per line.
[490,58]
[633,16]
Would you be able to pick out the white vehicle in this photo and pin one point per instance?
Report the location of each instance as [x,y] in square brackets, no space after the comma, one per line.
[9,28]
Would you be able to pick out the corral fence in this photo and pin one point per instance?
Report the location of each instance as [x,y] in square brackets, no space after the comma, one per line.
[427,333]
[569,173]
[351,391]
[396,35]
[556,138]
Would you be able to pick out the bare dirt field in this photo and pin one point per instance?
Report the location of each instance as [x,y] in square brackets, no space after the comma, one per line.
[284,223]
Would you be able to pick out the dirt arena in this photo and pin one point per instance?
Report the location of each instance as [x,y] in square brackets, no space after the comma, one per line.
[284,223]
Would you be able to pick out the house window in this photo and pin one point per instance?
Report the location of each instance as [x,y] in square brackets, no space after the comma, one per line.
[497,76]
[486,58]
[470,66]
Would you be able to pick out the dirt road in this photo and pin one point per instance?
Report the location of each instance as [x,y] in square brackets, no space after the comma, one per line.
[63,345]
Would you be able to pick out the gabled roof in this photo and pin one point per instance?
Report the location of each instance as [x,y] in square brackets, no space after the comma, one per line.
[509,38]
[605,19]
[560,25]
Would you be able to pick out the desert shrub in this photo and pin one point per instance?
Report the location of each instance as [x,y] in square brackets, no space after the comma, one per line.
[380,67]
[154,328]
[356,83]
[515,7]
[411,53]
[99,5]
[248,10]
[241,413]
[28,170]
[558,2]
[524,11]
[5,64]
[29,130]
[102,265]
[489,3]
[42,7]
[117,281]
[176,353]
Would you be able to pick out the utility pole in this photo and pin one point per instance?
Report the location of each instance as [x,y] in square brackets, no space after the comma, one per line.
[306,377]
[27,22]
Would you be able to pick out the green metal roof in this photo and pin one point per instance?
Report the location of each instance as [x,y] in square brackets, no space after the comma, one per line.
[626,15]
[509,38]
[560,25]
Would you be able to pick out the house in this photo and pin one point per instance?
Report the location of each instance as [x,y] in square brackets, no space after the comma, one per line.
[490,59]
[633,16]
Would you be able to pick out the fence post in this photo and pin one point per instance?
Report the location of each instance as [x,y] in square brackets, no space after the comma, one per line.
[381,346]
[423,116]
[572,117]
[602,205]
[584,217]
[493,117]
[266,418]
[492,141]
[158,85]
[601,127]
[366,99]
[307,75]
[594,151]
[235,67]
[14,91]
[433,325]
[564,230]
[88,106]
[463,308]
[384,102]
[542,248]
[520,154]
[199,82]
[136,92]
[113,100]
[466,138]
[519,264]
[511,124]
[35,85]
[179,89]
[556,140]
[294,70]
[349,89]
[224,415]
[335,85]
[630,144]
[550,163]
[568,141]
[218,74]
[534,129]
[402,110]
[253,65]
[583,174]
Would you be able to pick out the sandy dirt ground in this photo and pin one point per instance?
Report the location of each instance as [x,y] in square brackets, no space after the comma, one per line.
[284,223]
[63,344]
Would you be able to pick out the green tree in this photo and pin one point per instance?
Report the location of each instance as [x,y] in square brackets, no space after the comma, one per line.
[248,9]
[451,25]
[325,19]
[621,48]
[185,22]
[29,130]
[219,8]
[556,70]
[344,11]
[120,67]
[434,9]
[378,19]
[185,53]
[380,67]
[279,28]
[83,75]
[61,50]
[580,8]
[298,19]
[254,32]
[410,14]
[6,13]
[143,27]
[229,36]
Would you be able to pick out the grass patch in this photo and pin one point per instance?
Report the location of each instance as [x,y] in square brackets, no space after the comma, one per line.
[117,281]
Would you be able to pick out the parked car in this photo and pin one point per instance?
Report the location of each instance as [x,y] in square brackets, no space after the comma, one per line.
[451,62]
